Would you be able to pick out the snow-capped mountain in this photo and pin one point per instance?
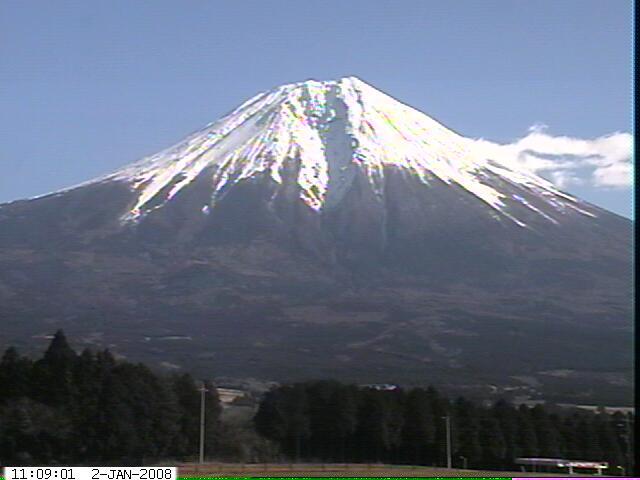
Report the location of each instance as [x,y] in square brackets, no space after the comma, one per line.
[329,226]
[329,132]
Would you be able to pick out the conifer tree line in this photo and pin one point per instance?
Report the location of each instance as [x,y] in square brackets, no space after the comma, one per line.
[332,422]
[67,408]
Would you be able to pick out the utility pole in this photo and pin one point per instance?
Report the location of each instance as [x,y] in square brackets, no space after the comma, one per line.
[447,420]
[629,452]
[202,390]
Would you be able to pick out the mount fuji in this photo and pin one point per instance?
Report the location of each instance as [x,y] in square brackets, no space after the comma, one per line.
[325,229]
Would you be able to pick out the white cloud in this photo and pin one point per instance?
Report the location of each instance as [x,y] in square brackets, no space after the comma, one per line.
[538,127]
[614,175]
[600,162]
[563,179]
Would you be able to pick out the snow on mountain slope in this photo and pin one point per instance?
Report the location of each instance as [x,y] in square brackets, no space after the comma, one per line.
[330,132]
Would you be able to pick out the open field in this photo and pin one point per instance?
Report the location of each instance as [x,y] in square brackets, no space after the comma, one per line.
[340,470]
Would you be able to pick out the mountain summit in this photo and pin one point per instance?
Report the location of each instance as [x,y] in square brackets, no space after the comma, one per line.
[329,226]
[320,136]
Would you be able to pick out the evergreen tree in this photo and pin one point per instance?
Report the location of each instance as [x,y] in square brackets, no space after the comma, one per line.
[494,448]
[53,383]
[34,432]
[15,375]
[188,422]
[283,416]
[116,425]
[570,434]
[270,419]
[418,432]
[332,418]
[390,424]
[372,433]
[85,412]
[588,439]
[59,354]
[467,423]
[546,433]
[507,416]
[345,401]
[611,450]
[90,408]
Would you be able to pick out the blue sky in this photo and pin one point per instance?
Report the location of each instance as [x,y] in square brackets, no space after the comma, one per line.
[89,86]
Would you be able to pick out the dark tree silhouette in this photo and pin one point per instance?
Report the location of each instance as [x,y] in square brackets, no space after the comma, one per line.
[91,408]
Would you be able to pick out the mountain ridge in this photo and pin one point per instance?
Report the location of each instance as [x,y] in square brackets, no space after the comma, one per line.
[332,131]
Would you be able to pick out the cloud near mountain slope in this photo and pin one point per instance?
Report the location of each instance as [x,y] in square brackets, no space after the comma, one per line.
[603,162]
